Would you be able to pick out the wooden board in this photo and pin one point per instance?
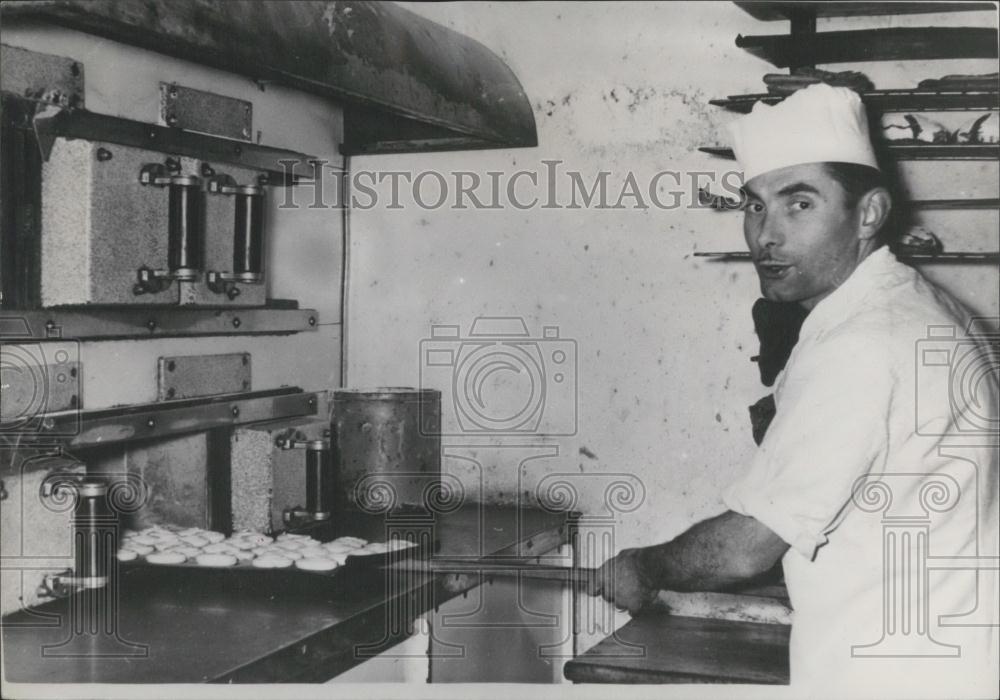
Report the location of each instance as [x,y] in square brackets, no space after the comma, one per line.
[892,44]
[661,648]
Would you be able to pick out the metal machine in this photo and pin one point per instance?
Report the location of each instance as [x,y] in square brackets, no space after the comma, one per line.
[159,318]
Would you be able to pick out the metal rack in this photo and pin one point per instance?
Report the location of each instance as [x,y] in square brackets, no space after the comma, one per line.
[805,47]
[899,100]
[734,256]
[771,11]
[911,151]
[895,44]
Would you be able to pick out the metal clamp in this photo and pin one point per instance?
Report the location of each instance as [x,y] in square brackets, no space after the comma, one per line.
[185,228]
[65,584]
[94,531]
[319,478]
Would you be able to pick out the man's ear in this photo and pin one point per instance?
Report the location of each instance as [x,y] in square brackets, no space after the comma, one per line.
[873,208]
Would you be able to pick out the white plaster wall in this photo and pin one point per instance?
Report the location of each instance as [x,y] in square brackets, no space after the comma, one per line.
[664,339]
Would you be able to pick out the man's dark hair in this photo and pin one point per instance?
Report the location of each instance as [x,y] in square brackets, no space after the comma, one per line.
[857,180]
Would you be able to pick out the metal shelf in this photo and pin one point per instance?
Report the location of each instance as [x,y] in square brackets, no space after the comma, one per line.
[775,11]
[900,100]
[975,151]
[957,257]
[895,44]
[953,204]
[76,428]
[83,323]
[19,113]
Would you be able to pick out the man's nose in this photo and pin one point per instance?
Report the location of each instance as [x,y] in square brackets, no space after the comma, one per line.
[768,233]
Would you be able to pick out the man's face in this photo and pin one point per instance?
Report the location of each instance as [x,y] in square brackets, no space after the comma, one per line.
[803,238]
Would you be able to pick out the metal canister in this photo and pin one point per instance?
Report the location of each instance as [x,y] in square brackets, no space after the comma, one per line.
[387,441]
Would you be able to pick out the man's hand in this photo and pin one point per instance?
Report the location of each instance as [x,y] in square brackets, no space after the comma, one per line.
[622,581]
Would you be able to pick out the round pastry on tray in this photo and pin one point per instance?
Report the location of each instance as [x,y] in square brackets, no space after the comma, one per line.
[271,561]
[316,564]
[221,560]
[166,558]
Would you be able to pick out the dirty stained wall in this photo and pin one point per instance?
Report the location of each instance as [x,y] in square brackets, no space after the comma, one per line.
[663,339]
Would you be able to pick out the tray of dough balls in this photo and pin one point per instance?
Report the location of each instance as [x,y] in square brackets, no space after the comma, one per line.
[166,545]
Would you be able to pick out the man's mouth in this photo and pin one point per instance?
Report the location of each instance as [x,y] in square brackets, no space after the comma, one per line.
[772,269]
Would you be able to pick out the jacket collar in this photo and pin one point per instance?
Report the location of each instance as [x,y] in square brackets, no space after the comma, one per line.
[842,302]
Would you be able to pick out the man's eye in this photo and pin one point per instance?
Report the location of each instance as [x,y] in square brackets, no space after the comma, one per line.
[755,207]
[801,205]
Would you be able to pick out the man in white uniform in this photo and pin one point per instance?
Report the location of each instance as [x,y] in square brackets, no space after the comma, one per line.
[876,482]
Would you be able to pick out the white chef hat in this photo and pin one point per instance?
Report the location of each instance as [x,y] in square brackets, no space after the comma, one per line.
[816,124]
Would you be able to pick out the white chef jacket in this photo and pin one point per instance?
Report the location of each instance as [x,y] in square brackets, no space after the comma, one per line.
[878,473]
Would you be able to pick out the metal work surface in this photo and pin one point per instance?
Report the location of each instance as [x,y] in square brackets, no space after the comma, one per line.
[429,82]
[219,628]
[686,650]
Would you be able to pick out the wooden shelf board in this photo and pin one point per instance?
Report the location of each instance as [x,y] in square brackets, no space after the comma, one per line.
[956,257]
[976,151]
[726,205]
[899,100]
[953,204]
[893,44]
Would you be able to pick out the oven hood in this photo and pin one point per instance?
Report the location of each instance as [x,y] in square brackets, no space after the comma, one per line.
[406,83]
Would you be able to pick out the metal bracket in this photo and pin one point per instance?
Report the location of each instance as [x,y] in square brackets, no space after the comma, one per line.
[294,439]
[61,585]
[222,283]
[152,281]
[81,124]
[206,112]
[193,376]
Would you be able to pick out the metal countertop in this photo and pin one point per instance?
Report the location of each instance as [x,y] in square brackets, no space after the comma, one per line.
[198,625]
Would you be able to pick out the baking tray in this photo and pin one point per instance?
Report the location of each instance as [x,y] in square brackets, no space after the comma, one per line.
[246,578]
[190,582]
[410,522]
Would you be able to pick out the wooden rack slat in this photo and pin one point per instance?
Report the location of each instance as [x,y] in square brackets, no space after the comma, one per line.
[956,257]
[969,151]
[898,100]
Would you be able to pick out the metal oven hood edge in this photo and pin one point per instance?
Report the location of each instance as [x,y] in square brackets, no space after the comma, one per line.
[408,84]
